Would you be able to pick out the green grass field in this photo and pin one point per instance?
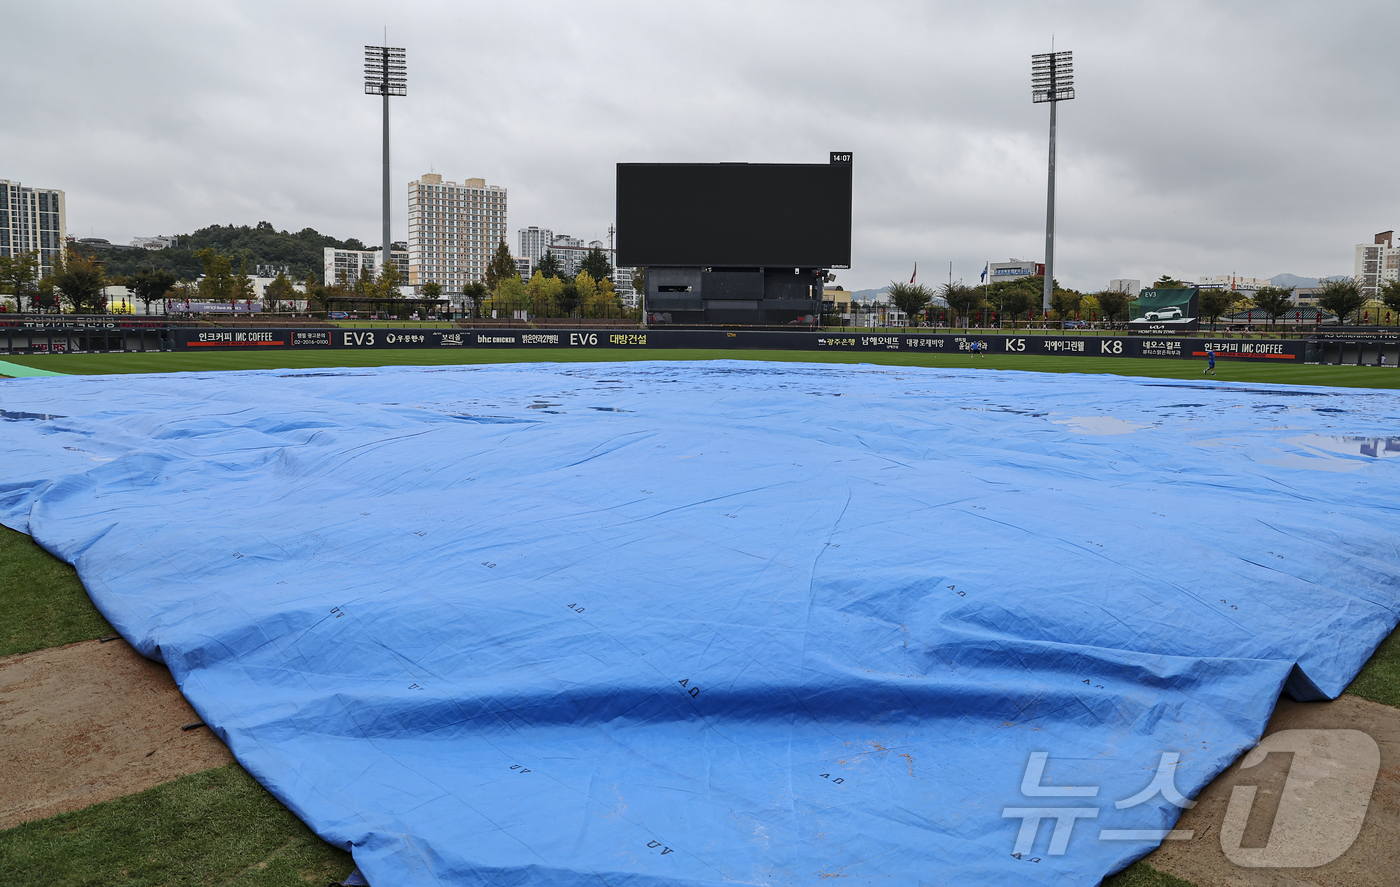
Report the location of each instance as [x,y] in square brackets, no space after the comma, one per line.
[1227,371]
[218,827]
[43,603]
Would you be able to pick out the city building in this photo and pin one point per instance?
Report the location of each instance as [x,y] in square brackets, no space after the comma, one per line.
[533,242]
[158,242]
[570,252]
[1011,269]
[1232,282]
[453,230]
[524,266]
[1377,263]
[32,220]
[348,265]
[1125,285]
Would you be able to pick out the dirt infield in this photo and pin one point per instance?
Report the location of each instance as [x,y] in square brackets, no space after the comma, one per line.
[1372,861]
[88,722]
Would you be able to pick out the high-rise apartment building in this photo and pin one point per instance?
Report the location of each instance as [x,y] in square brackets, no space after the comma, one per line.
[533,242]
[1377,263]
[32,220]
[453,230]
[349,265]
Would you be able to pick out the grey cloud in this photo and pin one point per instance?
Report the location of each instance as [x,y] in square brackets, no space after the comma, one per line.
[1207,138]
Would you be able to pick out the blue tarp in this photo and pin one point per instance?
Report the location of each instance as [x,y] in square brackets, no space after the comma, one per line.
[683,623]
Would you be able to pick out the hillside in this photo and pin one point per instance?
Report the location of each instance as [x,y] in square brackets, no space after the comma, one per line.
[261,244]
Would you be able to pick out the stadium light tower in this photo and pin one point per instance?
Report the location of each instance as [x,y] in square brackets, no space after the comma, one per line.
[386,74]
[1052,80]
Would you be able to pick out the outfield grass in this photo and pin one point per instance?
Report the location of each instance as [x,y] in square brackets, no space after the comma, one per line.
[218,827]
[1228,371]
[43,603]
[1379,680]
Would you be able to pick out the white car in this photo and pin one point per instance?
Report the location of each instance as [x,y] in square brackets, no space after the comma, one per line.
[1171,312]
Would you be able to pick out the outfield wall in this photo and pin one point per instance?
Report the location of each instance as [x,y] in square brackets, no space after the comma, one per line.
[1283,350]
[196,339]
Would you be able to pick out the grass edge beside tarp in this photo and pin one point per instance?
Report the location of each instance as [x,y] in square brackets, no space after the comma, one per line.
[1379,678]
[59,613]
[215,827]
[1140,874]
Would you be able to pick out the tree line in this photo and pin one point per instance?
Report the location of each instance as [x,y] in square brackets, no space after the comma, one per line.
[1020,299]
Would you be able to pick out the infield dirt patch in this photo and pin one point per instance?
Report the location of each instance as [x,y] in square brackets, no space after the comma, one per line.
[1372,861]
[89,722]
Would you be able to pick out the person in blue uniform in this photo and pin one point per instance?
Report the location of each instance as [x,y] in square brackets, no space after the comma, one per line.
[1210,362]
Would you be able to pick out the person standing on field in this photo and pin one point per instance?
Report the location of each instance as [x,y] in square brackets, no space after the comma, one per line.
[1210,362]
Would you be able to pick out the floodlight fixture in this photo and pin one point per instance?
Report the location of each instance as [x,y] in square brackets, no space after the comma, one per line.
[1052,77]
[386,70]
[1052,80]
[386,74]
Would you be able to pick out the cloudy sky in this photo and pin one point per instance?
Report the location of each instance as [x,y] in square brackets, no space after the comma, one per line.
[1207,137]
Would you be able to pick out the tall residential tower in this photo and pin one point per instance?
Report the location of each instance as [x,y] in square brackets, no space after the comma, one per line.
[32,220]
[453,231]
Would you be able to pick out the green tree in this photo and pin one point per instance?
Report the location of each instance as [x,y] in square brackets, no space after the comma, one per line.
[569,300]
[544,294]
[597,264]
[549,265]
[19,276]
[1089,308]
[500,269]
[1167,282]
[1215,302]
[1390,295]
[278,292]
[511,295]
[1274,301]
[1066,303]
[244,291]
[150,285]
[911,298]
[218,283]
[475,292]
[1018,300]
[961,299]
[78,280]
[1114,304]
[1342,296]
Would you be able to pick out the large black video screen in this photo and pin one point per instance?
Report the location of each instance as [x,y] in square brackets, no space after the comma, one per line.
[734,214]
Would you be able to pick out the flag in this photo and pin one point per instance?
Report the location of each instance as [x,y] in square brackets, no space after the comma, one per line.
[915,274]
[984,271]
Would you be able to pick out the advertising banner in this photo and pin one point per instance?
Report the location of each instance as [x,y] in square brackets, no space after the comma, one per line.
[1169,311]
[660,340]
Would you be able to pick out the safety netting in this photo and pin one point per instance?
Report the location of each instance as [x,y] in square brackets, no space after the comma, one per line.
[683,623]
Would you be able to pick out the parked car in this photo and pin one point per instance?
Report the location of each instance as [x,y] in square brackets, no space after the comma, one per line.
[339,315]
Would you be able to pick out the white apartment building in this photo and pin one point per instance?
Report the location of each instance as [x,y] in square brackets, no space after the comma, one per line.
[453,230]
[1377,263]
[349,265]
[1128,285]
[32,220]
[533,242]
[570,252]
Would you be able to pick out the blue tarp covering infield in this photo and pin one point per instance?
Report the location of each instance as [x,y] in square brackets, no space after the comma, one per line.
[698,623]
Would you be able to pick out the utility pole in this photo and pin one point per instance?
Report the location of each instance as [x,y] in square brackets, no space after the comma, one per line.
[1052,80]
[386,74]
